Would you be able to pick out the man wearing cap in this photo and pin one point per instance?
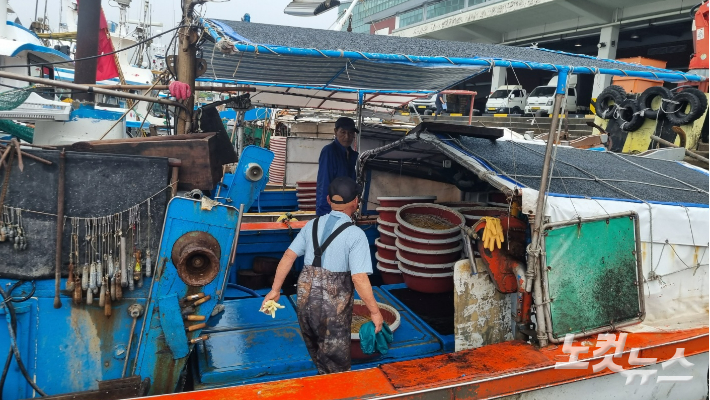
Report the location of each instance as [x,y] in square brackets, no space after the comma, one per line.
[337,259]
[336,159]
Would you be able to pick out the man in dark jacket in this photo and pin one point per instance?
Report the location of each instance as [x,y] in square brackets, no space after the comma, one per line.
[336,159]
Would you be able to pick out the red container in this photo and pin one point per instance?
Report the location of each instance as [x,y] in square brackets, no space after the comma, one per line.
[452,216]
[426,268]
[306,184]
[427,244]
[389,314]
[461,204]
[389,226]
[390,276]
[430,256]
[388,252]
[305,193]
[428,283]
[388,214]
[386,237]
[403,201]
[386,262]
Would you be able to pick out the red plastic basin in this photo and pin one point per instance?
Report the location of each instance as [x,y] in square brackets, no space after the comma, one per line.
[473,214]
[389,226]
[425,268]
[404,200]
[306,184]
[427,244]
[386,262]
[386,237]
[429,256]
[388,252]
[390,276]
[389,314]
[452,216]
[388,214]
[428,283]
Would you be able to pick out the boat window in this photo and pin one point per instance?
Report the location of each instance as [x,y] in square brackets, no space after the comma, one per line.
[571,92]
[500,94]
[543,91]
[517,93]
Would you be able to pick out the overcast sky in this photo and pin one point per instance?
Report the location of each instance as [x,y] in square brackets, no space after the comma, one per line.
[168,12]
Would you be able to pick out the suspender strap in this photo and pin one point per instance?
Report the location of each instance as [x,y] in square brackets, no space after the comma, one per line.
[318,250]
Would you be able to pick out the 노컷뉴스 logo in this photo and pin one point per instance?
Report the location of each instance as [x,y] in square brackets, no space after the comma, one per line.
[605,342]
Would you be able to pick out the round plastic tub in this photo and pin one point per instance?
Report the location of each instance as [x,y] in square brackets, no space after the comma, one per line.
[386,237]
[306,184]
[388,226]
[426,244]
[427,282]
[390,276]
[388,252]
[388,214]
[386,262]
[429,256]
[424,268]
[389,314]
[404,200]
[452,216]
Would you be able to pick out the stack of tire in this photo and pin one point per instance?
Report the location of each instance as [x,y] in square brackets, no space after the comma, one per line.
[656,102]
[426,256]
[386,254]
[306,195]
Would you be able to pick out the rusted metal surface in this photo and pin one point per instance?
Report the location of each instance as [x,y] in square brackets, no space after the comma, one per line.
[196,257]
[113,389]
[487,372]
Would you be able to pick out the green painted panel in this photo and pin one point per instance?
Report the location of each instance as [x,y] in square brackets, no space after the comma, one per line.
[592,274]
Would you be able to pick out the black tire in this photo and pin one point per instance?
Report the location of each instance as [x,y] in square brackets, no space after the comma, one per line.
[618,89]
[608,100]
[693,98]
[647,98]
[516,110]
[630,118]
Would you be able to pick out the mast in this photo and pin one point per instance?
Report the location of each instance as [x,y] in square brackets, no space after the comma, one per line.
[535,267]
[87,45]
[186,64]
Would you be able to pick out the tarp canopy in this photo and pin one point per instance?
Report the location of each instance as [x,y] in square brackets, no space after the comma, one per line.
[576,173]
[302,62]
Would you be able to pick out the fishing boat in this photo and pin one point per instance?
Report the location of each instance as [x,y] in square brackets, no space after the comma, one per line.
[127,270]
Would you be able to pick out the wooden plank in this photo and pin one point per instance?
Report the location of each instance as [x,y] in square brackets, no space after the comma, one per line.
[202,155]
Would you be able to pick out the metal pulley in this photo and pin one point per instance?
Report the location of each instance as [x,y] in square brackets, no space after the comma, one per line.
[196,257]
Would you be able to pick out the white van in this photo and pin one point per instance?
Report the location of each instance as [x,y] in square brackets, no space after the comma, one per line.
[542,98]
[507,99]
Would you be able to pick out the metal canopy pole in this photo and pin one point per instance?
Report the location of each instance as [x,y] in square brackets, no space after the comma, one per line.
[186,61]
[535,268]
[87,45]
[360,98]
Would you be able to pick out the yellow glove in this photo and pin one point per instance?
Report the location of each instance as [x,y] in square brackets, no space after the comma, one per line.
[270,308]
[286,218]
[492,234]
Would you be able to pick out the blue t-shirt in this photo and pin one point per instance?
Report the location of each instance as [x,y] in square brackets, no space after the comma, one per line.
[335,160]
[350,251]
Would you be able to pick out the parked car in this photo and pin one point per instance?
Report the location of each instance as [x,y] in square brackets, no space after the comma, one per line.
[507,99]
[541,98]
[424,105]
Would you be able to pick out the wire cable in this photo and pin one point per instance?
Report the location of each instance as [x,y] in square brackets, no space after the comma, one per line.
[98,55]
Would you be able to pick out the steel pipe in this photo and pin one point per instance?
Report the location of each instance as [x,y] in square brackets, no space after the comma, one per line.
[167,87]
[90,89]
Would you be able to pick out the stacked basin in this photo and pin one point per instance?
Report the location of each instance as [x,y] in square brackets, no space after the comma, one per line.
[306,195]
[277,171]
[428,243]
[386,255]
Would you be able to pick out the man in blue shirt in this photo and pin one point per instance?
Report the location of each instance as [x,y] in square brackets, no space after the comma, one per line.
[336,159]
[336,260]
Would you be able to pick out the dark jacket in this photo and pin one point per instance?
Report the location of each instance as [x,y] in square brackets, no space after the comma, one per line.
[335,160]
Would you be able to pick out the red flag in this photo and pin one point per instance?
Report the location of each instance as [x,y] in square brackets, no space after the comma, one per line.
[106,67]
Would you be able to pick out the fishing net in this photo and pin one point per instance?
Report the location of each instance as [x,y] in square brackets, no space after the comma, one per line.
[19,131]
[11,99]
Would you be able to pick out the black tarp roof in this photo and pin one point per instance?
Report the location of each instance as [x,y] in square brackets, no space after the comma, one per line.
[576,172]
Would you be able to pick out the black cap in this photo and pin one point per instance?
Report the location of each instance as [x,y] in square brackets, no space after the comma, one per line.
[346,123]
[343,190]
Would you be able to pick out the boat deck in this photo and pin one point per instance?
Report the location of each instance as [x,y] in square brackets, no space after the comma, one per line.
[246,346]
[487,372]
